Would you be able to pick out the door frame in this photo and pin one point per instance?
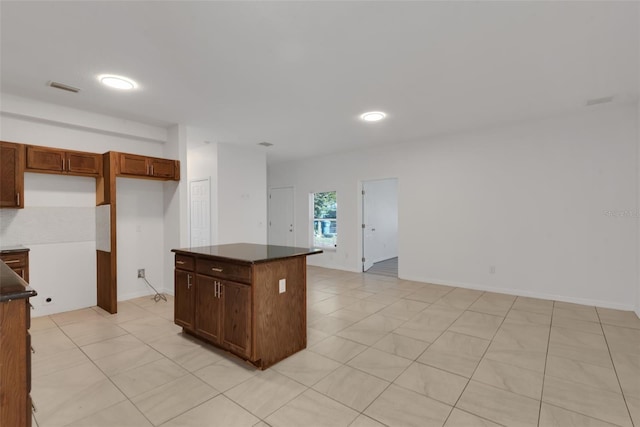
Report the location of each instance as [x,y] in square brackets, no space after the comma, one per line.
[293,210]
[361,213]
[208,179]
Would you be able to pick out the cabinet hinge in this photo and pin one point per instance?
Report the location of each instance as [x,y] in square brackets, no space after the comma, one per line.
[363,192]
[362,225]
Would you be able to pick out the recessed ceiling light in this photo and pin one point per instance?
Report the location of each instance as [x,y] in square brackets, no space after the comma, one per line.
[117,82]
[373,116]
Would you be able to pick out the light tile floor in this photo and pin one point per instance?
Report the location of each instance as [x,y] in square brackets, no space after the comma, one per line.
[381,351]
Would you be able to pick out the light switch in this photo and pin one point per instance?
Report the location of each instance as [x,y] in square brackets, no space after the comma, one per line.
[282,284]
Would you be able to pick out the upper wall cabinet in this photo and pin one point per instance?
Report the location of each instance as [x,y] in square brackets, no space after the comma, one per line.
[11,175]
[147,167]
[55,160]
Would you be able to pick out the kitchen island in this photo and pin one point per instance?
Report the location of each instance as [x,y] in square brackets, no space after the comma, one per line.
[248,299]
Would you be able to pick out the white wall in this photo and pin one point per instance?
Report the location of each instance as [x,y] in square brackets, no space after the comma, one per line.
[66,269]
[242,195]
[202,159]
[532,199]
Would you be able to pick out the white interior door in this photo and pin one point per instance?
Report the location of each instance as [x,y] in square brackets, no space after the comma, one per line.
[200,215]
[281,225]
[380,221]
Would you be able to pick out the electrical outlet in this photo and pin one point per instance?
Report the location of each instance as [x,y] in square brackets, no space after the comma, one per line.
[141,273]
[47,301]
[282,285]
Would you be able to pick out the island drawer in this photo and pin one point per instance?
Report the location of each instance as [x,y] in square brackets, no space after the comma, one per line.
[13,260]
[225,270]
[184,262]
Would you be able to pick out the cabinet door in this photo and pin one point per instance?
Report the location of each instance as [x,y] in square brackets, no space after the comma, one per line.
[132,164]
[161,168]
[207,319]
[184,298]
[84,163]
[236,317]
[11,175]
[45,159]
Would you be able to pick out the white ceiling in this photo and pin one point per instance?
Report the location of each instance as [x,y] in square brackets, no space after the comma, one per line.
[298,74]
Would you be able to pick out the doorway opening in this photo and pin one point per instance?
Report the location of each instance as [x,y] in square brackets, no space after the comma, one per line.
[380,227]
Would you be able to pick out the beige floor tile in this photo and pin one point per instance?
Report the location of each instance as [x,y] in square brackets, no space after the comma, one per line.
[477,324]
[404,309]
[314,296]
[500,406]
[352,387]
[456,353]
[364,421]
[151,328]
[226,374]
[430,293]
[524,317]
[622,340]
[339,349]
[41,323]
[575,311]
[432,382]
[528,359]
[382,365]
[627,319]
[169,400]
[330,324]
[314,336]
[533,305]
[217,412]
[398,406]
[582,373]
[459,298]
[265,392]
[576,338]
[117,363]
[312,408]
[72,394]
[49,364]
[187,352]
[596,403]
[510,378]
[333,304]
[352,316]
[402,346]
[628,370]
[123,414]
[581,346]
[633,403]
[460,418]
[577,325]
[48,342]
[371,329]
[495,304]
[365,306]
[306,367]
[429,324]
[313,315]
[126,311]
[75,316]
[527,337]
[112,346]
[356,293]
[553,416]
[133,382]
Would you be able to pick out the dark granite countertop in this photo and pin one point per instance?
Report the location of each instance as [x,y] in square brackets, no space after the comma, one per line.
[249,252]
[12,286]
[12,249]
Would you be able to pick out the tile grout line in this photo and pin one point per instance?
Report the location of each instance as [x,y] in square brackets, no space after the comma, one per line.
[546,358]
[614,368]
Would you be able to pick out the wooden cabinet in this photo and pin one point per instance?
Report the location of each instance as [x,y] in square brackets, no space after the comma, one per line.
[147,167]
[215,309]
[59,161]
[17,260]
[15,357]
[11,175]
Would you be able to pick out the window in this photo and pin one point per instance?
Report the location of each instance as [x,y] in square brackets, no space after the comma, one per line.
[324,220]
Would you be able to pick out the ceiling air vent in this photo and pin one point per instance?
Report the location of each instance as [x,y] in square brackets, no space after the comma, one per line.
[63,86]
[265,144]
[596,101]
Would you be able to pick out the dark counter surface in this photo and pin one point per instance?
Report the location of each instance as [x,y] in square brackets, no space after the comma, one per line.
[12,286]
[249,252]
[12,249]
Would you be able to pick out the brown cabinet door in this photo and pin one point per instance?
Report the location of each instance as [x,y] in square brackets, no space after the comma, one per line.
[184,298]
[132,164]
[84,163]
[208,304]
[11,175]
[236,317]
[161,168]
[45,159]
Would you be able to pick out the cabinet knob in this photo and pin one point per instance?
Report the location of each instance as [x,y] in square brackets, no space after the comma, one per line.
[217,270]
[180,262]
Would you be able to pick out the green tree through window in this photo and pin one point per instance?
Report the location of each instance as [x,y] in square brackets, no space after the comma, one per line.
[325,210]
